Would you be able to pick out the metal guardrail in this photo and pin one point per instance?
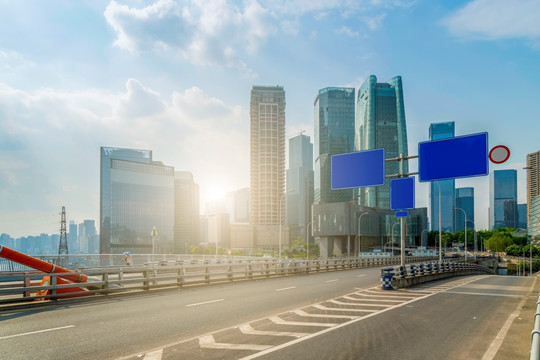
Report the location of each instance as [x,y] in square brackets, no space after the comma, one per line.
[535,335]
[105,281]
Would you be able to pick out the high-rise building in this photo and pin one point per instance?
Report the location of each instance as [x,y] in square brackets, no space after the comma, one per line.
[334,134]
[186,212]
[267,154]
[73,239]
[503,199]
[464,201]
[87,236]
[522,216]
[438,131]
[299,185]
[380,123]
[137,195]
[533,181]
[237,206]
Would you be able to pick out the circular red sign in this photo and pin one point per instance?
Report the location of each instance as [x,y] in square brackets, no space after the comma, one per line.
[499,154]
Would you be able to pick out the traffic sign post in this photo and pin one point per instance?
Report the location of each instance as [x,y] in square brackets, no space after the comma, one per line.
[357,169]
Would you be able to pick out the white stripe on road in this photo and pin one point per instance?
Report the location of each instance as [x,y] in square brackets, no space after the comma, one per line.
[208,342]
[329,281]
[322,307]
[287,288]
[280,321]
[483,294]
[37,332]
[154,355]
[205,302]
[361,275]
[248,330]
[303,313]
[337,302]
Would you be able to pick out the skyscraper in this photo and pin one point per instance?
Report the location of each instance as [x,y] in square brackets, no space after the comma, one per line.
[186,212]
[137,194]
[533,182]
[438,131]
[299,184]
[334,134]
[380,123]
[267,154]
[465,201]
[73,239]
[503,199]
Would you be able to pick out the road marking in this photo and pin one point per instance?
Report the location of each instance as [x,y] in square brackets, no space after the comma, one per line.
[205,302]
[248,330]
[322,307]
[337,302]
[377,300]
[280,321]
[483,294]
[287,288]
[361,275]
[37,332]
[208,342]
[154,355]
[329,281]
[303,313]
[497,342]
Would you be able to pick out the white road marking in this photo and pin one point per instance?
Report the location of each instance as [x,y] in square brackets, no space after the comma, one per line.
[208,342]
[329,281]
[337,302]
[280,321]
[154,355]
[303,313]
[205,302]
[248,330]
[361,275]
[322,307]
[287,288]
[377,300]
[483,294]
[37,332]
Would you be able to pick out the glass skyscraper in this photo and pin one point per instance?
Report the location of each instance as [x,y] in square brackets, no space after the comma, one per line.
[380,123]
[465,201]
[503,199]
[186,212]
[137,194]
[334,134]
[439,131]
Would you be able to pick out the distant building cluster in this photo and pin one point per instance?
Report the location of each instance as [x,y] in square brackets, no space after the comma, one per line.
[149,207]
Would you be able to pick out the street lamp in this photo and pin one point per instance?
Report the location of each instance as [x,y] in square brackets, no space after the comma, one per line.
[359,232]
[279,214]
[310,225]
[464,214]
[440,225]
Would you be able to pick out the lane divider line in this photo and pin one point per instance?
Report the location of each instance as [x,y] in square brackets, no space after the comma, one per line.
[287,288]
[37,332]
[205,302]
[329,281]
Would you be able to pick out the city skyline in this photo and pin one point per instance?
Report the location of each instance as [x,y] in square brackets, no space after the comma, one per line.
[175,78]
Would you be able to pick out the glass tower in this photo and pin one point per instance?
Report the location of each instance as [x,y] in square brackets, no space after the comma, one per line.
[334,134]
[380,123]
[137,194]
[267,152]
[465,201]
[503,199]
[439,131]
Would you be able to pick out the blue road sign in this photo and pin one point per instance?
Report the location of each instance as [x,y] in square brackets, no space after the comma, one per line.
[458,157]
[402,193]
[357,169]
[402,214]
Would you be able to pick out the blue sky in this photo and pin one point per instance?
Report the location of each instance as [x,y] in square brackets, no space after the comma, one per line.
[175,77]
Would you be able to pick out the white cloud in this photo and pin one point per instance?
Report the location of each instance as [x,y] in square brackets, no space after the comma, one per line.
[49,142]
[496,19]
[374,22]
[345,30]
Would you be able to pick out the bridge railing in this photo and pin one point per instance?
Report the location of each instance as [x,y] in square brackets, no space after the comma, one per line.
[30,286]
[535,335]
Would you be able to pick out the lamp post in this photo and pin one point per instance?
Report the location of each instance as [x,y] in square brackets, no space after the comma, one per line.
[440,225]
[359,232]
[464,214]
[310,225]
[279,214]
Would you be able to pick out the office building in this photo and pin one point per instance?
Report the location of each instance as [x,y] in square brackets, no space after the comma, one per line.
[186,212]
[522,216]
[137,195]
[438,131]
[237,206]
[267,160]
[334,134]
[533,180]
[73,238]
[503,199]
[464,201]
[299,195]
[380,123]
[87,237]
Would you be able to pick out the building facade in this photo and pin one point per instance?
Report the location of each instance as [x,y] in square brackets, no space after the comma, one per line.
[137,194]
[503,199]
[334,134]
[186,212]
[380,123]
[464,201]
[299,195]
[438,131]
[533,180]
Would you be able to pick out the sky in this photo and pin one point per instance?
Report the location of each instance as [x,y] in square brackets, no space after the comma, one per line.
[175,77]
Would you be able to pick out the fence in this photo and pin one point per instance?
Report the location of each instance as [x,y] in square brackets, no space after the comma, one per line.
[26,286]
[535,335]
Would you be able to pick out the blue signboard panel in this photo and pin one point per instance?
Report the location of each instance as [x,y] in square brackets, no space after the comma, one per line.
[458,157]
[402,214]
[358,169]
[402,193]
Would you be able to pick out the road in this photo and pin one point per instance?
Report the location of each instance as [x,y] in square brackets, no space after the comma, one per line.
[335,315]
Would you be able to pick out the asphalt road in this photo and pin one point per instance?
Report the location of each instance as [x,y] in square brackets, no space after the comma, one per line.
[458,319]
